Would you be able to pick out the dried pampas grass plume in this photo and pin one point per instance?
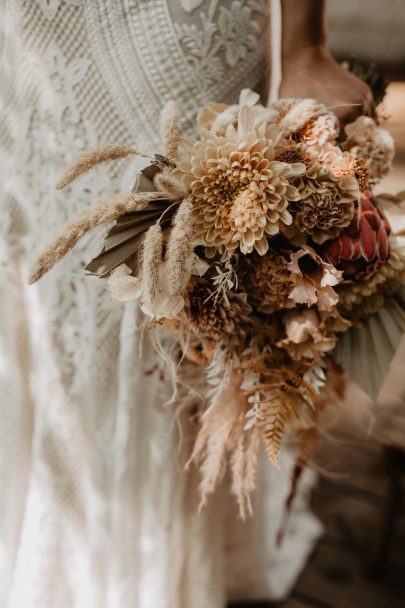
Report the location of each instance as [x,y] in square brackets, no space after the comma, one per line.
[105,211]
[180,248]
[92,158]
[169,124]
[222,434]
[170,185]
[151,259]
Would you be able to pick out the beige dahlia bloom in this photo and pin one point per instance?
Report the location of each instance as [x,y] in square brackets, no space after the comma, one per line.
[241,193]
[326,203]
[372,144]
[310,334]
[313,280]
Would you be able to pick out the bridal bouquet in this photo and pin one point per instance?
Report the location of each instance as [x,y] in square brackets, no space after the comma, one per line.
[262,249]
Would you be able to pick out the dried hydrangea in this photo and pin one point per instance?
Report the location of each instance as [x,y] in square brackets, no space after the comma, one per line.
[269,282]
[214,317]
[123,286]
[241,193]
[326,203]
[372,144]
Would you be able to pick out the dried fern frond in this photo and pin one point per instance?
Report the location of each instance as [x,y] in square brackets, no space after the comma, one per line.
[151,260]
[282,390]
[169,122]
[91,158]
[180,249]
[272,421]
[108,209]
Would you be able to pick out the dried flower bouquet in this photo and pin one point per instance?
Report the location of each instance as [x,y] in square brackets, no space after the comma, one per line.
[260,245]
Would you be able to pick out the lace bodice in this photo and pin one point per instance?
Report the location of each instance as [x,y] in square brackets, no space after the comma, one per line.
[100,501]
[93,72]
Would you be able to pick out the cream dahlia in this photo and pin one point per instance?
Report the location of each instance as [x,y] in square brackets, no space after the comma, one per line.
[241,193]
[326,203]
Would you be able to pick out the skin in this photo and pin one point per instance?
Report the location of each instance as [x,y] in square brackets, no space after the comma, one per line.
[308,67]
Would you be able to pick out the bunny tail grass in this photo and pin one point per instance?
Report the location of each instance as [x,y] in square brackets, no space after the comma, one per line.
[180,248]
[151,260]
[170,185]
[169,122]
[92,158]
[107,210]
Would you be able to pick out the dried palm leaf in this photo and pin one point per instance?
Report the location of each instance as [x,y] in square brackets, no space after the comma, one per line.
[105,211]
[283,394]
[123,241]
[366,352]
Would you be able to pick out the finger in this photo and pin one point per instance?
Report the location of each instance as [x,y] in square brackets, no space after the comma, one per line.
[348,115]
[368,108]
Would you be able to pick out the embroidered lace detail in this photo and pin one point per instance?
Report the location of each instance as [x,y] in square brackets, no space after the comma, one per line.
[50,7]
[100,503]
[224,37]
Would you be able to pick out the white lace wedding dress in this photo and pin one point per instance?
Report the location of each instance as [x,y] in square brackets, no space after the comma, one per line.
[95,507]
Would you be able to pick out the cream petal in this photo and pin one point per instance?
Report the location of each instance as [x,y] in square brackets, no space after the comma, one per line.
[262,246]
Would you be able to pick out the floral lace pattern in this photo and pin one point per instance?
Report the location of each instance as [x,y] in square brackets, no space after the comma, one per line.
[50,7]
[223,37]
[103,503]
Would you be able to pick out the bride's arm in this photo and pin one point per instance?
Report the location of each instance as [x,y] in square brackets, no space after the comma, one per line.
[309,69]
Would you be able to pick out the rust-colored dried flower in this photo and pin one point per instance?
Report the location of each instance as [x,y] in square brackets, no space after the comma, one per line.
[361,298]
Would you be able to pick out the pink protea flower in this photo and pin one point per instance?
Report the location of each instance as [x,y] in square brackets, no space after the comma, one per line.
[363,247]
